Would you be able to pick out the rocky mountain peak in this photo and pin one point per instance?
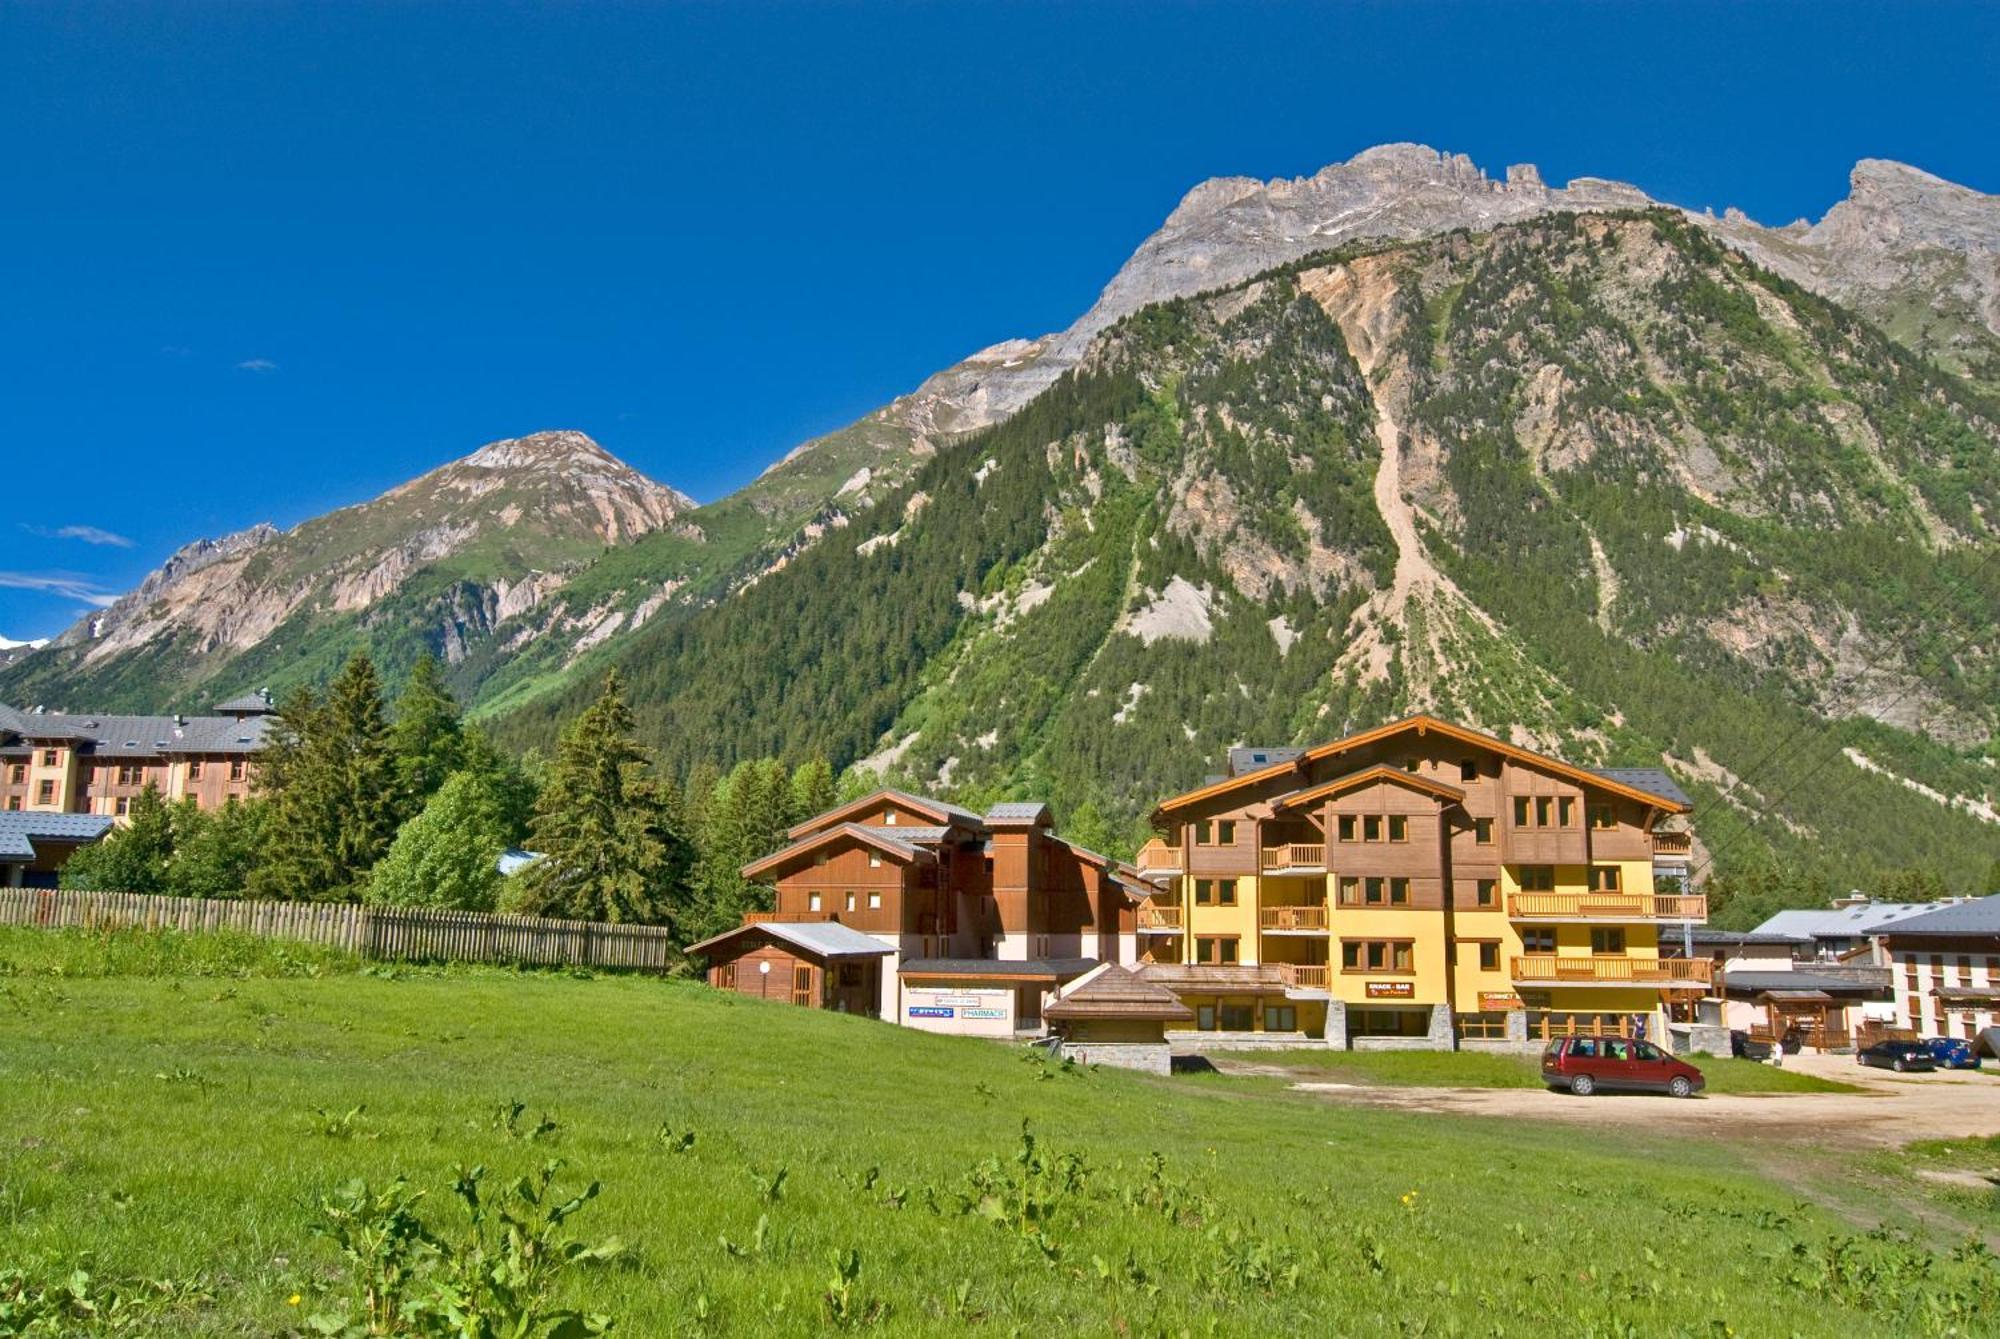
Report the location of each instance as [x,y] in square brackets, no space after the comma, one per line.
[541,450]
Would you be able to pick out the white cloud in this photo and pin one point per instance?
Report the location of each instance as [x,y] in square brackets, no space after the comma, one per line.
[70,585]
[257,365]
[89,534]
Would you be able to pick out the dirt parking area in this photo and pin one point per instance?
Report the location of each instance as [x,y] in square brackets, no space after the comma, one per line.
[1894,1108]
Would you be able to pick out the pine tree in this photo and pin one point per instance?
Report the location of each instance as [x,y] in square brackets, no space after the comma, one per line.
[428,740]
[331,780]
[512,788]
[447,856]
[611,843]
[130,859]
[747,815]
[812,788]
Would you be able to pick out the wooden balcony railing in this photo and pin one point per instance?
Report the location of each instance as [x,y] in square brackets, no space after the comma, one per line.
[1156,857]
[1295,855]
[1607,907]
[1549,969]
[1293,918]
[1159,920]
[787,917]
[1305,975]
[1673,843]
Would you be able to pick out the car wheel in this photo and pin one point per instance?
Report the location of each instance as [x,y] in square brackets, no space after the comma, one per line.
[1898,1066]
[1583,1085]
[1680,1087]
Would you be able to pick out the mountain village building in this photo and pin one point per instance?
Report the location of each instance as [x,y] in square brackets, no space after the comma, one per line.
[1417,885]
[1944,966]
[35,846]
[96,763]
[1421,885]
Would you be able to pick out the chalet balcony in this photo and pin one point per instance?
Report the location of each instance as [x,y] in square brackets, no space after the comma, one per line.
[1292,920]
[1305,975]
[1547,969]
[1294,858]
[1160,920]
[1158,858]
[1608,907]
[1673,843]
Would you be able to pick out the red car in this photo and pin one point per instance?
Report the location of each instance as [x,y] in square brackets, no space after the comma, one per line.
[1585,1064]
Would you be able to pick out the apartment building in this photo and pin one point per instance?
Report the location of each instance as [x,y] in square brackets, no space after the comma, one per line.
[1421,884]
[1944,967]
[97,763]
[949,920]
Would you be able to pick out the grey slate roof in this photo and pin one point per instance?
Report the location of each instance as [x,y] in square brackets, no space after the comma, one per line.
[1842,922]
[1652,780]
[956,811]
[1017,811]
[1979,916]
[248,703]
[1249,758]
[829,939]
[1756,983]
[1703,934]
[109,736]
[21,829]
[902,835]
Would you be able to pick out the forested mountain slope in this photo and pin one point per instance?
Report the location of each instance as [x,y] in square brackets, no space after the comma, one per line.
[1592,478]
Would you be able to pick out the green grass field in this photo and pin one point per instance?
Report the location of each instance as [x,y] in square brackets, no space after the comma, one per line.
[770,1170]
[1471,1069]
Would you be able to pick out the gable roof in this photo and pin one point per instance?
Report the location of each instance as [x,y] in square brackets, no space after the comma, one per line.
[1249,758]
[1112,992]
[258,703]
[1015,812]
[20,829]
[1864,918]
[107,736]
[1977,916]
[1368,776]
[822,939]
[899,848]
[1426,724]
[938,811]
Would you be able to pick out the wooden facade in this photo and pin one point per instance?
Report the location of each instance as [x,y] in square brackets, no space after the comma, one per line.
[87,763]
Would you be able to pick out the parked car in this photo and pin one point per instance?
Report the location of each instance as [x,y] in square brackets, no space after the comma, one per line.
[1952,1052]
[1901,1056]
[1583,1065]
[1746,1047]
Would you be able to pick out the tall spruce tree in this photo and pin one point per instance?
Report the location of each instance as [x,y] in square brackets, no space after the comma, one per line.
[610,835]
[746,817]
[427,739]
[812,788]
[331,781]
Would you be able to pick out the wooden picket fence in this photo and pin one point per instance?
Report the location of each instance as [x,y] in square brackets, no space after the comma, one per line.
[400,933]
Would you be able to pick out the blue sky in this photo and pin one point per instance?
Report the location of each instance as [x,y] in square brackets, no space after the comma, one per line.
[260,261]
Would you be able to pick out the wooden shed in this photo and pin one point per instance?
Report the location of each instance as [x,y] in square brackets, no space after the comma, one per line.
[1112,1017]
[817,964]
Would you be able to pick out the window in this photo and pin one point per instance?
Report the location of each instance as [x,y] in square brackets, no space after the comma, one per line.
[1373,891]
[1399,828]
[1489,955]
[1350,892]
[1544,810]
[812,901]
[1225,832]
[1521,811]
[874,901]
[123,806]
[1215,949]
[874,860]
[1645,1050]
[1204,833]
[1399,892]
[129,774]
[1603,816]
[1538,878]
[850,901]
[725,976]
[1281,1018]
[1482,831]
[1394,956]
[1468,770]
[1204,1017]
[1347,827]
[45,793]
[1412,764]
[1604,878]
[1566,812]
[1607,941]
[235,769]
[1965,971]
[18,773]
[1538,941]
[48,757]
[1486,893]
[1215,892]
[194,769]
[1238,1017]
[14,804]
[1225,892]
[1371,828]
[889,819]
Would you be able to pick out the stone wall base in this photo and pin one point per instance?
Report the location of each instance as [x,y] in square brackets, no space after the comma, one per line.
[1200,1043]
[1151,1057]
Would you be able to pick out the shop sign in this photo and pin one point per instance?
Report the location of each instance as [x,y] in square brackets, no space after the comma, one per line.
[1391,990]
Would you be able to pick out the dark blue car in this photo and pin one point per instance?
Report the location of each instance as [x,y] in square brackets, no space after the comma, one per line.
[1952,1053]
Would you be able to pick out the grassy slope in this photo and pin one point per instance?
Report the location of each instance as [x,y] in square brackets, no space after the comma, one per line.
[166,1126]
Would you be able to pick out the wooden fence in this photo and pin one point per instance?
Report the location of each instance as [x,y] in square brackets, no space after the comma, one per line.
[403,933]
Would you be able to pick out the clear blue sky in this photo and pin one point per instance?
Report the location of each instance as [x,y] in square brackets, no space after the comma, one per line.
[259,261]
